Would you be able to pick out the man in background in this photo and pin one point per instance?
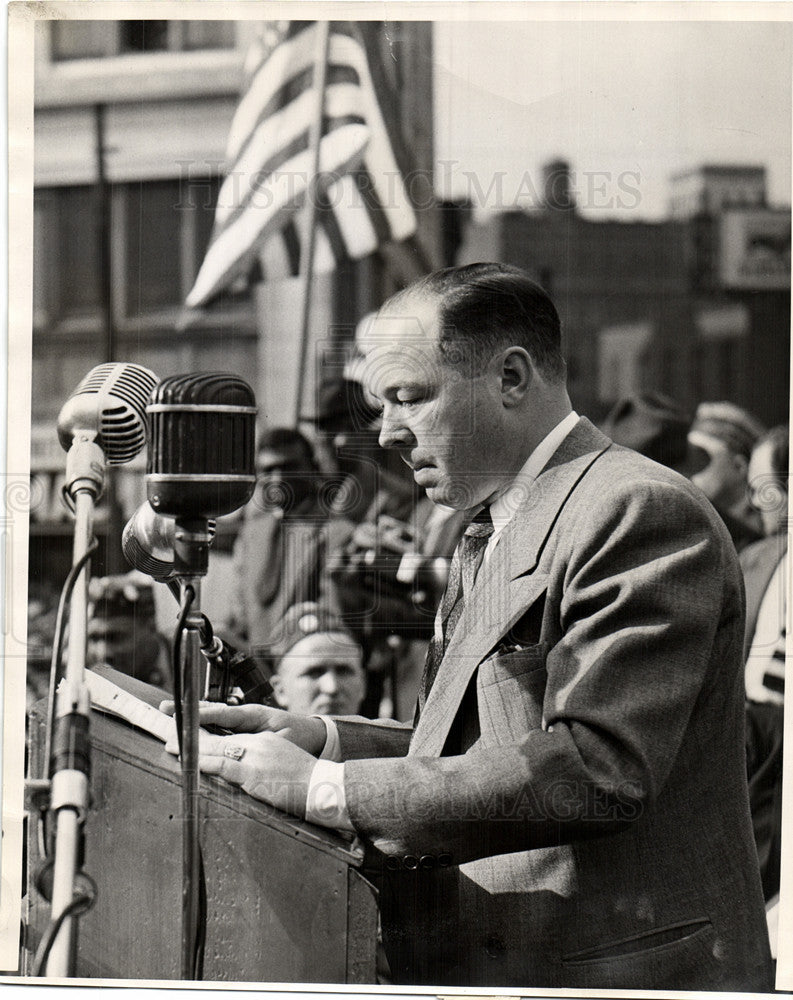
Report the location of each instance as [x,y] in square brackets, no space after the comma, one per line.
[281,552]
[765,567]
[727,433]
[656,426]
[318,664]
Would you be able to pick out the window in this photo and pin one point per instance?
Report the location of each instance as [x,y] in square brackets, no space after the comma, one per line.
[83,39]
[66,272]
[143,36]
[206,34]
[159,234]
[153,271]
[100,39]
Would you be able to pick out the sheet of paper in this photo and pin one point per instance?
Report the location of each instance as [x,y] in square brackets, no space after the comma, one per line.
[108,697]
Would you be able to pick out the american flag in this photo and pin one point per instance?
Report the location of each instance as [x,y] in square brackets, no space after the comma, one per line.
[269,162]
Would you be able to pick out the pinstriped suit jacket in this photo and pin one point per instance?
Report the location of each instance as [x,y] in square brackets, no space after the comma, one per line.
[571,809]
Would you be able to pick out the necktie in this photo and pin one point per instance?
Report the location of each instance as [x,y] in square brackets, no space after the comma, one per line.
[465,564]
[271,553]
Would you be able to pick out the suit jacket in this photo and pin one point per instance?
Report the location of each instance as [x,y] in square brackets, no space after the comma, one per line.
[758,563]
[571,809]
[764,723]
[279,562]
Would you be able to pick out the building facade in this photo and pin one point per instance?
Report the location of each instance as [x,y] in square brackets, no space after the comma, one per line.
[696,306]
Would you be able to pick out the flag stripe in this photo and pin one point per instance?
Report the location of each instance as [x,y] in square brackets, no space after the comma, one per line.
[296,88]
[291,240]
[377,213]
[293,59]
[330,226]
[352,218]
[263,152]
[236,201]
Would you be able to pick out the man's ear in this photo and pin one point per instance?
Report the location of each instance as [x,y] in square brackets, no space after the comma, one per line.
[517,375]
[278,689]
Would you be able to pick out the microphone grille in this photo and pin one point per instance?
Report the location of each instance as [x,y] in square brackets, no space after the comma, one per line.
[123,390]
[139,558]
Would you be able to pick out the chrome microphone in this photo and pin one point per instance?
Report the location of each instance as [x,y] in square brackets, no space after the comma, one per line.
[110,403]
[148,543]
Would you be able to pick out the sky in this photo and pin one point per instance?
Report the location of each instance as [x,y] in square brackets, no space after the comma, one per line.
[627,104]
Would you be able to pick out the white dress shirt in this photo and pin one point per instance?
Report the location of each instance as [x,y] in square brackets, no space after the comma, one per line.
[326,802]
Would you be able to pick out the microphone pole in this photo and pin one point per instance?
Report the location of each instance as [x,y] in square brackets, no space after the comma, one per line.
[102,420]
[200,466]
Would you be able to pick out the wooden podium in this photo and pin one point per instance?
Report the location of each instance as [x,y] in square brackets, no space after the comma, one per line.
[285,900]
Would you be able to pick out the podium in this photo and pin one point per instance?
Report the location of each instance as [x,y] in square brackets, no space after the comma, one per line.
[286,901]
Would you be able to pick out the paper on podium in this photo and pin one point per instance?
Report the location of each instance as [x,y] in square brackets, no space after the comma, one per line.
[109,697]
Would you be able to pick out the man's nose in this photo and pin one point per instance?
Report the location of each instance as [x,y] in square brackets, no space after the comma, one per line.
[394,433]
[329,682]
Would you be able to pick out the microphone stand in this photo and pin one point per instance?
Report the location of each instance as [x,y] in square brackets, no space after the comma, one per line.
[70,757]
[191,561]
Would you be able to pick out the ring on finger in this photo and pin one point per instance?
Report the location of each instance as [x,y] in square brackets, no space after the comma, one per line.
[234,751]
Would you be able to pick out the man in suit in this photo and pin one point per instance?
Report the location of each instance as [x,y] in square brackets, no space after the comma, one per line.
[725,434]
[569,808]
[287,535]
[766,574]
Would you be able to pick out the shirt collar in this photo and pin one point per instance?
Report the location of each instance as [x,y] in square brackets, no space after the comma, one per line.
[505,505]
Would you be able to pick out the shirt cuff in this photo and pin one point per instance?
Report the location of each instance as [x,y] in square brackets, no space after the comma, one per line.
[332,748]
[326,803]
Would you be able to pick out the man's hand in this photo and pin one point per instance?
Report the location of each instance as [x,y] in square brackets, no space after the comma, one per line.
[263,764]
[304,731]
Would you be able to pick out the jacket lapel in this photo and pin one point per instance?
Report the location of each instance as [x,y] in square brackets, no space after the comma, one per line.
[506,585]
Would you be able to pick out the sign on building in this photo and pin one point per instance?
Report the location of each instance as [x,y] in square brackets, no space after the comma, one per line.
[622,353]
[755,249]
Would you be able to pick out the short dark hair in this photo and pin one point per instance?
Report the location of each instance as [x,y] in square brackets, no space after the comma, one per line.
[483,307]
[283,438]
[779,439]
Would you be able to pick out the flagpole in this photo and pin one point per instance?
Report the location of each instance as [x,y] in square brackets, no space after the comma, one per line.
[313,187]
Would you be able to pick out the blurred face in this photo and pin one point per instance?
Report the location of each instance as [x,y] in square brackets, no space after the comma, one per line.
[128,645]
[321,675]
[284,478]
[723,478]
[766,493]
[445,419]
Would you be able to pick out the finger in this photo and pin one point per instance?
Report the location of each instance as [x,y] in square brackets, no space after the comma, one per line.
[210,744]
[207,744]
[169,707]
[224,767]
[232,717]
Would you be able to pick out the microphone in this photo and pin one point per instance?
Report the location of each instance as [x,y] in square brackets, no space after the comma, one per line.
[109,403]
[148,542]
[202,445]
